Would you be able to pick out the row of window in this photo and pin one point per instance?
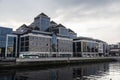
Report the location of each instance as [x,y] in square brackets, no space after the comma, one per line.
[35,49]
[24,48]
[2,43]
[39,44]
[2,38]
[85,47]
[39,38]
[34,38]
[24,44]
[64,41]
[25,38]
[5,31]
[40,49]
[65,50]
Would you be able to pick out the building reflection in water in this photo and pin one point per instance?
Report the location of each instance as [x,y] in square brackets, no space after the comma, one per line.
[65,73]
[7,75]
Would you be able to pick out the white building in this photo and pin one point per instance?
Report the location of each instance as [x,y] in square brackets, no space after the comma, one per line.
[39,44]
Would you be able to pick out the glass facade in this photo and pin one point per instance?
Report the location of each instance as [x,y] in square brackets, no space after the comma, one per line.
[24,44]
[3,34]
[63,31]
[77,49]
[42,22]
[45,23]
[11,46]
[78,46]
[90,47]
[85,47]
[54,43]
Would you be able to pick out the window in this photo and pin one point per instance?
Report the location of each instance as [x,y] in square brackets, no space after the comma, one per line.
[84,47]
[78,46]
[26,48]
[22,48]
[22,44]
[22,38]
[26,43]
[46,44]
[26,38]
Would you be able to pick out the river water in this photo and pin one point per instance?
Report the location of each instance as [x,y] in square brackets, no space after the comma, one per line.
[91,71]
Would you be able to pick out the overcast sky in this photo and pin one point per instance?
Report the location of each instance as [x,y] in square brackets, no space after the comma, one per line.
[98,19]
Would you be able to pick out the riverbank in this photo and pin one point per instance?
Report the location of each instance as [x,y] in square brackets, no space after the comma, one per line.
[42,62]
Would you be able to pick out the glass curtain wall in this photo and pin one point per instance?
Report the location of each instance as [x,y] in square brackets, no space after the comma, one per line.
[90,47]
[2,45]
[11,46]
[3,32]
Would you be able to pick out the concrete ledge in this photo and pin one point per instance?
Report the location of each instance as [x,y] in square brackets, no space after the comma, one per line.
[41,62]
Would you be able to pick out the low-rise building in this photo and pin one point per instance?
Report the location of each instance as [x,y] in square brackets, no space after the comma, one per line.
[89,47]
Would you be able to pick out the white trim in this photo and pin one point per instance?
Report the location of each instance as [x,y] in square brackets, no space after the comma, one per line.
[85,41]
[11,35]
[64,38]
[28,53]
[65,52]
[6,46]
[90,53]
[37,35]
[34,52]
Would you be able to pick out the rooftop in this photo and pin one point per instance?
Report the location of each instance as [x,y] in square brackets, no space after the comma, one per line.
[43,14]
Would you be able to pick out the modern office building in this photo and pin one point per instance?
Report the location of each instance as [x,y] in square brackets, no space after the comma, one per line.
[89,47]
[43,38]
[44,45]
[8,43]
[84,46]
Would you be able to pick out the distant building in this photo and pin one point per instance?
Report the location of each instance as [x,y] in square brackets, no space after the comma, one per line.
[113,46]
[114,49]
[103,48]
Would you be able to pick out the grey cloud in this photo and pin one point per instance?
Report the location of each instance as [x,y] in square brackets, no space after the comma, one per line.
[89,12]
[0,1]
[95,13]
[89,3]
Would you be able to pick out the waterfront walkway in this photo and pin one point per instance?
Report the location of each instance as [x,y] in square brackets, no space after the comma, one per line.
[64,59]
[23,62]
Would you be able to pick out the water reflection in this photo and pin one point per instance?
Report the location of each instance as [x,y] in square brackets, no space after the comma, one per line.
[74,72]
